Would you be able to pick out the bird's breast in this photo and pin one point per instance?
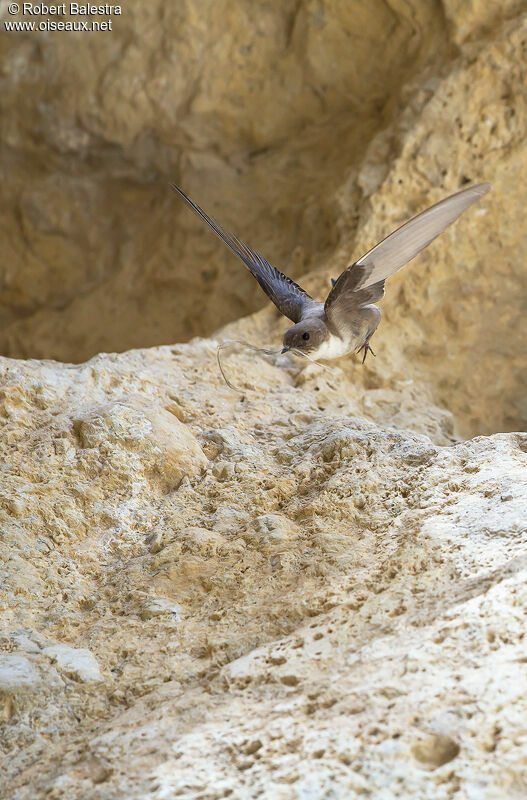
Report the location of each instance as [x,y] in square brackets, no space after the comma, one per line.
[332,347]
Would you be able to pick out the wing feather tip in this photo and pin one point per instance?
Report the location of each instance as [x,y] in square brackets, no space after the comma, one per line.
[175,188]
[480,188]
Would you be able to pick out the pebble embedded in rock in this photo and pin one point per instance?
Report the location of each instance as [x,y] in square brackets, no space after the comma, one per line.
[436,750]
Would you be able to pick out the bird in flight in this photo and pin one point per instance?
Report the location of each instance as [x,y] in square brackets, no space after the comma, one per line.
[348,318]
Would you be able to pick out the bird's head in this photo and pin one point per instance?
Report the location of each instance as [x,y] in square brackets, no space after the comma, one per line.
[306,336]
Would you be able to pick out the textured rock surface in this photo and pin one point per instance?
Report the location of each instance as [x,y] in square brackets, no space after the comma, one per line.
[316,589]
[321,604]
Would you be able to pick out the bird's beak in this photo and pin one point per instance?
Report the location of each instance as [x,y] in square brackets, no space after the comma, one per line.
[284,349]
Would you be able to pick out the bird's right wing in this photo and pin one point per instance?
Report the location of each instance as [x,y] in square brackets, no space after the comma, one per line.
[290,299]
[407,241]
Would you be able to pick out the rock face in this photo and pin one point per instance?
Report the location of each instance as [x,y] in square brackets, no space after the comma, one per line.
[313,588]
[324,605]
[92,232]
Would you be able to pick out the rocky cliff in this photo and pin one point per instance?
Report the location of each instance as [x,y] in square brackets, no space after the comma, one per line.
[315,588]
[261,115]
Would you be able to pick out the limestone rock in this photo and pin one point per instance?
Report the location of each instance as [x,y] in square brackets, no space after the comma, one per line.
[343,615]
[472,18]
[76,663]
[456,311]
[17,674]
[157,607]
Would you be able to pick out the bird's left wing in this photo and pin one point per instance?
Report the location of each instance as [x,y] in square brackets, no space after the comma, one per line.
[290,299]
[387,257]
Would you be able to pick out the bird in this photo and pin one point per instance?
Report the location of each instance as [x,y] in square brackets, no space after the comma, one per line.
[348,318]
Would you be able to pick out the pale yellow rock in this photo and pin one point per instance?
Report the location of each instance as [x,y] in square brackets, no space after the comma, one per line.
[456,312]
[344,615]
[471,18]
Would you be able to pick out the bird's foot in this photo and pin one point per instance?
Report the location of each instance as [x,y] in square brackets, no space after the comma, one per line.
[367,349]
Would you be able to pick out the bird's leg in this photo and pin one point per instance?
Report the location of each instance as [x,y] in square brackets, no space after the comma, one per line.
[366,347]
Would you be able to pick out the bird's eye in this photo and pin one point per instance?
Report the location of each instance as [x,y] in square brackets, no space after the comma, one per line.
[305,336]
